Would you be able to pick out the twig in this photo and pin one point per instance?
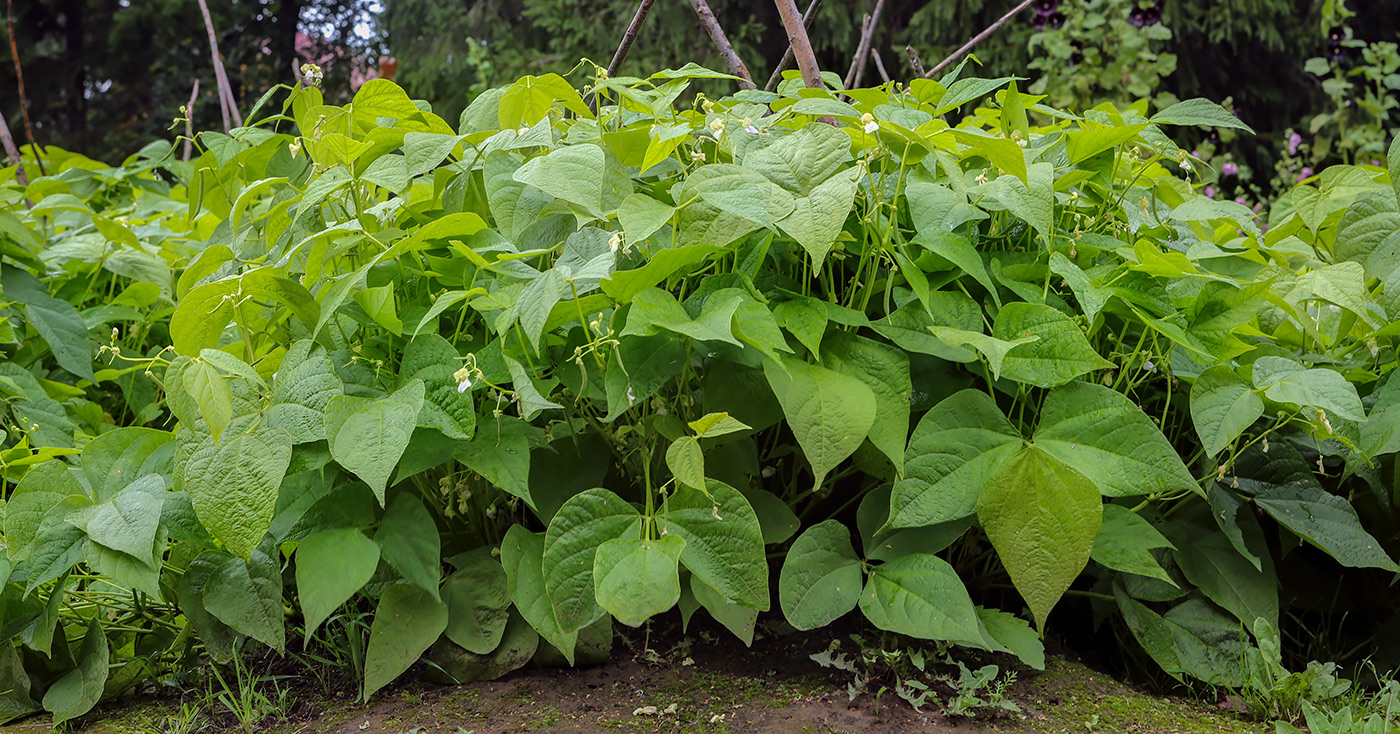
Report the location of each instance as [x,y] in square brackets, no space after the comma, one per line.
[880,65]
[227,103]
[977,38]
[19,77]
[12,151]
[787,54]
[726,49]
[629,36]
[801,45]
[863,48]
[914,61]
[189,120]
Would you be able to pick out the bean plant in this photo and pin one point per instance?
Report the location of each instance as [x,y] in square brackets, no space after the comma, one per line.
[940,352]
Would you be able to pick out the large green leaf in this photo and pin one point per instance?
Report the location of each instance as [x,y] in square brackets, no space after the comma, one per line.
[574,173]
[584,522]
[234,484]
[1327,521]
[1106,437]
[408,541]
[245,595]
[821,577]
[368,438]
[1222,407]
[126,523]
[1059,354]
[736,618]
[1285,381]
[303,386]
[500,452]
[739,191]
[80,688]
[1125,541]
[723,541]
[406,623]
[1199,111]
[957,447]
[920,595]
[1042,517]
[817,218]
[804,160]
[830,413]
[117,458]
[477,596]
[1228,579]
[331,566]
[638,579]
[885,370]
[522,554]
[43,488]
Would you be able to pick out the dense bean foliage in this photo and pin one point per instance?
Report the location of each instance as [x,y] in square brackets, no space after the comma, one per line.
[510,383]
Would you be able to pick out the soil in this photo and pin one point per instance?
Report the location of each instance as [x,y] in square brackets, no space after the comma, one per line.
[703,682]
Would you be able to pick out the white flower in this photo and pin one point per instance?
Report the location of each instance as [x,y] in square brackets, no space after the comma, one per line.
[1266,445]
[698,156]
[631,398]
[615,242]
[1334,309]
[751,129]
[463,378]
[869,124]
[717,127]
[981,178]
[1148,366]
[312,74]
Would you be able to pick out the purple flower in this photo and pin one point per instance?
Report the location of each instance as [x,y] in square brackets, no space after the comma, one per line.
[1210,192]
[1229,169]
[1376,162]
[1294,141]
[1242,201]
[1307,171]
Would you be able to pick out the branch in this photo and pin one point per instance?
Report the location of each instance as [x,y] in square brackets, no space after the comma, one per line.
[629,36]
[226,100]
[801,45]
[787,54]
[880,65]
[19,76]
[12,152]
[189,120]
[863,48]
[977,38]
[914,62]
[726,49]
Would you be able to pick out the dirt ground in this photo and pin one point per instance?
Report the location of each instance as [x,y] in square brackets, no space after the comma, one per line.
[701,683]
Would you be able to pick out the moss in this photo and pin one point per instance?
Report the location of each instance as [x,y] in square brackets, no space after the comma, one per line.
[1067,697]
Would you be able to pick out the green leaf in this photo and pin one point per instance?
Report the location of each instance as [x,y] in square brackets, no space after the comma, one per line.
[1106,437]
[994,350]
[741,192]
[1326,521]
[1124,542]
[529,100]
[573,173]
[957,447]
[1199,112]
[43,488]
[655,310]
[714,425]
[246,595]
[1228,579]
[206,386]
[1033,200]
[1285,381]
[478,602]
[816,219]
[1042,517]
[1218,310]
[331,566]
[117,458]
[500,452]
[233,485]
[624,285]
[957,250]
[1014,634]
[522,555]
[126,523]
[830,413]
[1061,353]
[1222,407]
[638,579]
[804,318]
[723,541]
[1087,142]
[406,623]
[369,437]
[304,385]
[805,160]
[641,215]
[80,688]
[63,328]
[686,462]
[736,618]
[1205,210]
[16,700]
[1091,297]
[821,577]
[885,370]
[408,541]
[584,522]
[201,316]
[920,595]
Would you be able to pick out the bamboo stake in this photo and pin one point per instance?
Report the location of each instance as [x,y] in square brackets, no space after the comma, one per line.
[914,62]
[19,77]
[629,36]
[726,49]
[801,45]
[189,120]
[880,65]
[227,103]
[12,151]
[787,54]
[977,38]
[863,49]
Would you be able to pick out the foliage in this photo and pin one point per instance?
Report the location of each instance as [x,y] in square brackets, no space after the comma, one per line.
[512,383]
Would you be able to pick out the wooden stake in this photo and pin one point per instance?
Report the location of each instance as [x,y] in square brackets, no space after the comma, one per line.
[726,49]
[629,36]
[977,39]
[19,77]
[12,151]
[914,62]
[189,120]
[880,65]
[787,54]
[863,48]
[227,103]
[801,45]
